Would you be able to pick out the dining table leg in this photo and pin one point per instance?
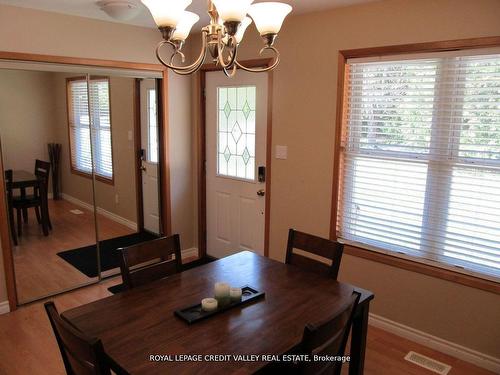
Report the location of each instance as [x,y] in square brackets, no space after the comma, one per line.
[358,339]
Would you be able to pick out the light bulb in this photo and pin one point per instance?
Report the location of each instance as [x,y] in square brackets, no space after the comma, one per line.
[269,17]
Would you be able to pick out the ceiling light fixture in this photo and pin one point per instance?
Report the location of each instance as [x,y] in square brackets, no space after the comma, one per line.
[221,38]
[120,10]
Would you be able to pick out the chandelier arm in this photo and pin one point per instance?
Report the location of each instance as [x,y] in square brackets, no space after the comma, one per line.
[231,73]
[232,54]
[179,53]
[266,69]
[190,68]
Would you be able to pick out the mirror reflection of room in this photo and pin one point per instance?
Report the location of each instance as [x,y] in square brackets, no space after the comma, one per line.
[73,144]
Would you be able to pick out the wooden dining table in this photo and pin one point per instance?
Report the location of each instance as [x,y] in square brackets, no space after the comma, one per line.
[137,324]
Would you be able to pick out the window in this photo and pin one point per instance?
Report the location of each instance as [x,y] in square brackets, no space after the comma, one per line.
[420,159]
[79,127]
[152,127]
[236,132]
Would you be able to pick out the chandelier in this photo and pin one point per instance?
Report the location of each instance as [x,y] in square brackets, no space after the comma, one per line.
[221,38]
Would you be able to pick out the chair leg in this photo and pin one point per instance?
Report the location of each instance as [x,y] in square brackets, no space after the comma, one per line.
[25,215]
[37,213]
[19,223]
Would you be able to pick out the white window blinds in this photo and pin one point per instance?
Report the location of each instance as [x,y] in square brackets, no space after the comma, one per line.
[420,159]
[80,127]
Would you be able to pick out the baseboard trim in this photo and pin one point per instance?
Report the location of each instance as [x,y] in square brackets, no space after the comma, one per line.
[4,307]
[189,253]
[461,352]
[110,215]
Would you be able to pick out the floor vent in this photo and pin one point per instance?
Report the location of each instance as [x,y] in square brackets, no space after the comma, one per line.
[428,363]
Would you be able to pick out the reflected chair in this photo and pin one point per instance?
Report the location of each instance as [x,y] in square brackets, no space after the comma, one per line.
[149,261]
[318,246]
[42,172]
[81,355]
[38,200]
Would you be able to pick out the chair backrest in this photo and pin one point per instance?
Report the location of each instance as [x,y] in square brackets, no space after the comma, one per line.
[42,171]
[150,261]
[328,338]
[8,183]
[81,355]
[315,245]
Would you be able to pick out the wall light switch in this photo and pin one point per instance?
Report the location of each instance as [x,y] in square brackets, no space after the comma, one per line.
[281,152]
[130,135]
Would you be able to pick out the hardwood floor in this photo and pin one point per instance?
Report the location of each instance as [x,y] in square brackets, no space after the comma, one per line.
[29,347]
[39,270]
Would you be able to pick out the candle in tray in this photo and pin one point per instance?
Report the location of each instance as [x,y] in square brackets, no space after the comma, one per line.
[208,304]
[221,292]
[235,294]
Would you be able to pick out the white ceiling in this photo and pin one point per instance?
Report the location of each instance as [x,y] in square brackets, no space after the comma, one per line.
[89,9]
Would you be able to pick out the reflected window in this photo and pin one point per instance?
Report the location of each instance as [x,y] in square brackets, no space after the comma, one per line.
[79,127]
[152,127]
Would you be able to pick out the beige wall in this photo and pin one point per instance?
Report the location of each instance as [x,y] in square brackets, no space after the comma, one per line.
[303,119]
[122,122]
[62,35]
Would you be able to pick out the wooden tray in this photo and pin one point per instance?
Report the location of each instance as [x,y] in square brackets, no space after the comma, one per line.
[194,313]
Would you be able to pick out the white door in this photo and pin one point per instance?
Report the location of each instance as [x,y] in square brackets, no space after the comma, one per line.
[236,123]
[149,162]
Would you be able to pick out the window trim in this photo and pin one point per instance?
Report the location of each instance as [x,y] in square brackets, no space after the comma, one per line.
[414,265]
[106,180]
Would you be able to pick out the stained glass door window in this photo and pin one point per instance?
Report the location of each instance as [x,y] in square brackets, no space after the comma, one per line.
[236,132]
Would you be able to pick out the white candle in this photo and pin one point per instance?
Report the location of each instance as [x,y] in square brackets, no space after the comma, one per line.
[221,290]
[208,304]
[235,294]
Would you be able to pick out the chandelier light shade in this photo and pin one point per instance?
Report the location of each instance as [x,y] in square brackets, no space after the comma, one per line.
[232,10]
[183,28]
[269,17]
[229,20]
[166,13]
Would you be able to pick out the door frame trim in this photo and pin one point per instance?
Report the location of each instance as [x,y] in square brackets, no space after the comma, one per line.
[8,259]
[202,150]
[137,154]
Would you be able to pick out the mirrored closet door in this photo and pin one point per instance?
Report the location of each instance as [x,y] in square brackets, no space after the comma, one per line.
[80,157]
[48,174]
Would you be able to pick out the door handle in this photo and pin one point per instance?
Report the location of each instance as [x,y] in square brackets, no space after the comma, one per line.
[261,193]
[142,168]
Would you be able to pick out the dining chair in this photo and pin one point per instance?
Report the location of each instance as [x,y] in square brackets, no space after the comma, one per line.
[328,338]
[318,246]
[81,355]
[151,260]
[10,204]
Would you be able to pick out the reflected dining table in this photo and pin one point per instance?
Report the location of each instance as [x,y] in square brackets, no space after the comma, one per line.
[139,323]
